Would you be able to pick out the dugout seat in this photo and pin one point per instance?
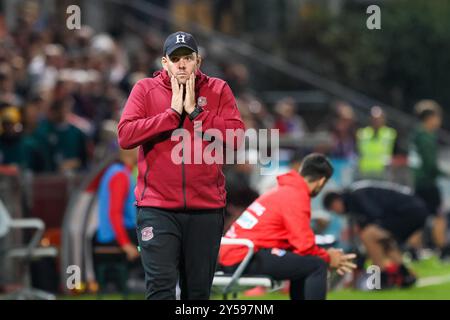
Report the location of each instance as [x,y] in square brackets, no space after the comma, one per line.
[233,283]
[27,253]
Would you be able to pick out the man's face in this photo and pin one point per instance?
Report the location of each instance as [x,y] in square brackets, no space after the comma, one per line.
[337,206]
[181,63]
[378,122]
[318,187]
[435,121]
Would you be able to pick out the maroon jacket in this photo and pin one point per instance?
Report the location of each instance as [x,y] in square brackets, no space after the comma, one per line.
[148,121]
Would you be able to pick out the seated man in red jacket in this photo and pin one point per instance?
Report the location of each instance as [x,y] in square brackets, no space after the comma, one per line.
[278,223]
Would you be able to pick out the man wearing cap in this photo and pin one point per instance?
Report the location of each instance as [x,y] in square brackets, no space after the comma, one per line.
[180,205]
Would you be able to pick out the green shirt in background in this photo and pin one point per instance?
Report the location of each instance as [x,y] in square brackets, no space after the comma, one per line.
[13,151]
[62,142]
[25,151]
[425,153]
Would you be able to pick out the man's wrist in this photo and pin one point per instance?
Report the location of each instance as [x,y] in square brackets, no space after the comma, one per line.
[195,113]
[176,111]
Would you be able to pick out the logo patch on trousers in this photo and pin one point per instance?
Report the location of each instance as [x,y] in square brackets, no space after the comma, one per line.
[147,233]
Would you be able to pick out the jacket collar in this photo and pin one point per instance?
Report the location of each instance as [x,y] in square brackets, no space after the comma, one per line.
[293,179]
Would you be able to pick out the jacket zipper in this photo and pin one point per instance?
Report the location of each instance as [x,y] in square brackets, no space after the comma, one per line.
[183,177]
[145,179]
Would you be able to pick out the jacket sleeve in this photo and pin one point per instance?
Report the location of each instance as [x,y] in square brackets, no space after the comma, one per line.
[135,127]
[296,218]
[228,118]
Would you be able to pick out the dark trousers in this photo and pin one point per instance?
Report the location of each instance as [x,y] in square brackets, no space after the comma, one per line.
[180,245]
[432,197]
[308,274]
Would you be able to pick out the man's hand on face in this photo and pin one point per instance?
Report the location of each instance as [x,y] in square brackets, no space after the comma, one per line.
[189,100]
[177,95]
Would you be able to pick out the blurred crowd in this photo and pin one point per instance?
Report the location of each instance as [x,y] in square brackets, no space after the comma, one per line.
[62,91]
[61,94]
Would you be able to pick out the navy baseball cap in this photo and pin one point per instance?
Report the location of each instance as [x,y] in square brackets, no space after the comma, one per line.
[177,40]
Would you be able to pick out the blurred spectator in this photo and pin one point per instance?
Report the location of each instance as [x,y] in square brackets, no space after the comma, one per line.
[35,148]
[375,145]
[288,121]
[117,213]
[236,75]
[19,146]
[423,159]
[141,67]
[7,86]
[107,140]
[291,127]
[44,68]
[343,130]
[12,147]
[66,145]
[255,111]
[262,116]
[109,57]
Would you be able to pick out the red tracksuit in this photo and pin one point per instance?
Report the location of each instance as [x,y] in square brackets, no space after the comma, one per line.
[148,121]
[280,218]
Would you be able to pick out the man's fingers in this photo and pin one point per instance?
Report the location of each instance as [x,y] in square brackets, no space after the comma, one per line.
[349,256]
[188,85]
[189,90]
[349,265]
[191,83]
[340,272]
[345,269]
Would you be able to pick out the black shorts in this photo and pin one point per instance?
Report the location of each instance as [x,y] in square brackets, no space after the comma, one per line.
[432,197]
[405,220]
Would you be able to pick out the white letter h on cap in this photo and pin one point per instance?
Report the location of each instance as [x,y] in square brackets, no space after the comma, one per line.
[180,38]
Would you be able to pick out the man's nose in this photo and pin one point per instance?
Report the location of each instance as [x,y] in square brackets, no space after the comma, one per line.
[181,64]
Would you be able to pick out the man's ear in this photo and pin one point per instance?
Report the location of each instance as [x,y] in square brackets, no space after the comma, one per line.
[164,62]
[199,61]
[323,181]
